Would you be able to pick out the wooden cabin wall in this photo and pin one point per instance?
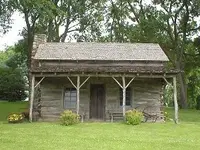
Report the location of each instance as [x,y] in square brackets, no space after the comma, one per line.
[145,92]
[100,63]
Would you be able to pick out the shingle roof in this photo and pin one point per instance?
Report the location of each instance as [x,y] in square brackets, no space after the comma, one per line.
[100,51]
[109,69]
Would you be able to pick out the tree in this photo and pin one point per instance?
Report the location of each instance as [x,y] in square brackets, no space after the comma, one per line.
[180,25]
[12,76]
[32,11]
[5,15]
[171,25]
[12,84]
[77,18]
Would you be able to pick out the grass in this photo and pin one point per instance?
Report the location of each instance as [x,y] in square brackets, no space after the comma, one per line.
[11,107]
[105,136]
[188,115]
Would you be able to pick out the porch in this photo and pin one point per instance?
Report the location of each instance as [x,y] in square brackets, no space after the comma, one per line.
[96,96]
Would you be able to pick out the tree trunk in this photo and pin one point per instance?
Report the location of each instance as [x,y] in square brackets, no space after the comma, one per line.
[30,46]
[183,91]
[50,31]
[183,87]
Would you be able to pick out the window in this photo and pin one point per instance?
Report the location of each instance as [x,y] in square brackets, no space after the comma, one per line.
[70,98]
[128,96]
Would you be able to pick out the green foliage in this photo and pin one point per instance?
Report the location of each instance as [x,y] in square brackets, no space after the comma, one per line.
[198,103]
[5,16]
[13,72]
[15,118]
[166,116]
[5,55]
[168,95]
[69,118]
[192,71]
[12,84]
[133,117]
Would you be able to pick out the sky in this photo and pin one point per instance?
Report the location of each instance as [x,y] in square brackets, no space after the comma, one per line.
[11,37]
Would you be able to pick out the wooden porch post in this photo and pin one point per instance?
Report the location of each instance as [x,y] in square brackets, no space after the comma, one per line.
[77,87]
[32,98]
[78,95]
[175,101]
[124,86]
[124,94]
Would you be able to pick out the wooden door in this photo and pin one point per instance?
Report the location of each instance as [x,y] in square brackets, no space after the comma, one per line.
[97,101]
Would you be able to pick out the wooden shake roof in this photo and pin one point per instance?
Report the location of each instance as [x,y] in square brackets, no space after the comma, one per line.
[100,51]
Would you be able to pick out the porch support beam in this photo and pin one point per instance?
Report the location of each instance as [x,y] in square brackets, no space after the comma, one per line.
[31,98]
[175,98]
[167,81]
[39,82]
[117,82]
[85,81]
[175,101]
[71,82]
[124,95]
[130,82]
[124,87]
[78,95]
[77,87]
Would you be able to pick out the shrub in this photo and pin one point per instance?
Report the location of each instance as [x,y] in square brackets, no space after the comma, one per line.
[133,117]
[15,118]
[69,118]
[12,84]
[166,116]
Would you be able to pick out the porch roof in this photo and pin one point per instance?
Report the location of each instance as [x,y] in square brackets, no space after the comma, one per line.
[108,69]
[101,51]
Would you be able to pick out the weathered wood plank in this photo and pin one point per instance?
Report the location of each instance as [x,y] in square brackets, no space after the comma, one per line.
[144,93]
[101,63]
[175,100]
[32,98]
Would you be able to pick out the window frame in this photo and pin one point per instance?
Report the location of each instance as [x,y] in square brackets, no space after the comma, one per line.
[70,101]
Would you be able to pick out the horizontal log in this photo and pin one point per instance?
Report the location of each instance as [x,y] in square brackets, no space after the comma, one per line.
[56,113]
[53,109]
[53,103]
[102,63]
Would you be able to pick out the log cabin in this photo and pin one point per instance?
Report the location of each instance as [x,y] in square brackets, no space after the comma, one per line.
[98,80]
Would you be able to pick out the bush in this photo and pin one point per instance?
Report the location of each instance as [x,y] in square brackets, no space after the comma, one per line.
[166,116]
[12,84]
[133,117]
[69,118]
[15,118]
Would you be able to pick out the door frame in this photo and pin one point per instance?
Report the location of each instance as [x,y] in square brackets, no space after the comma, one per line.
[104,100]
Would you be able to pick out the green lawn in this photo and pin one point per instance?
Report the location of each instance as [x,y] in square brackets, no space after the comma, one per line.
[109,136]
[11,107]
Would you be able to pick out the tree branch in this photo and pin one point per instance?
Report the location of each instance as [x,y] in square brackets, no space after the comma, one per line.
[133,11]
